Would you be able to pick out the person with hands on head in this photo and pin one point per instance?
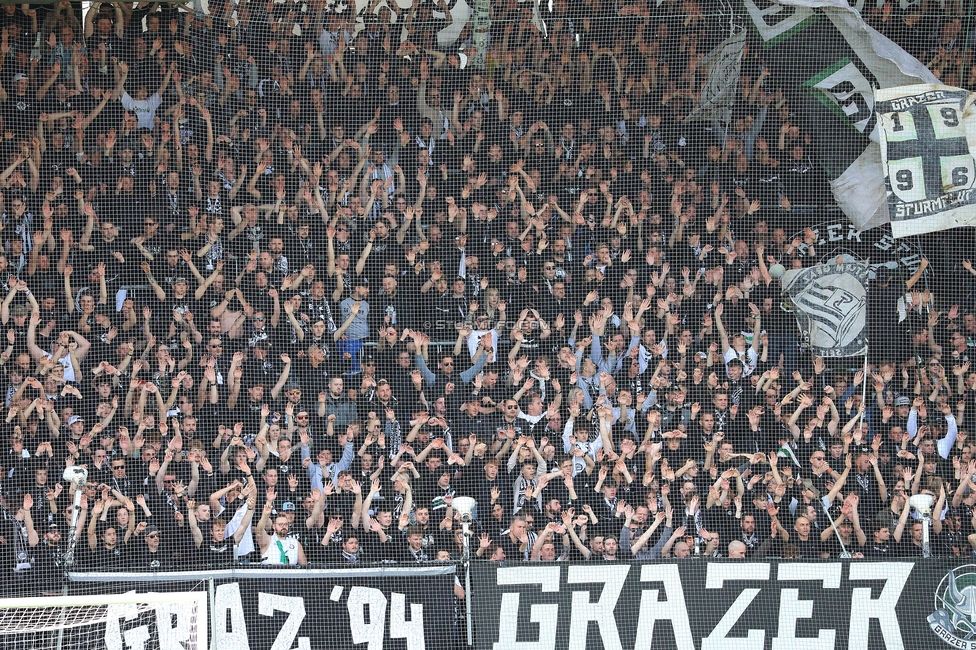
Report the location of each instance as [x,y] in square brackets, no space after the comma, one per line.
[219,548]
[677,545]
[350,550]
[545,547]
[640,547]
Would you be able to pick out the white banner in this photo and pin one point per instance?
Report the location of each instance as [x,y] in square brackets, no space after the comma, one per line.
[928,154]
[830,305]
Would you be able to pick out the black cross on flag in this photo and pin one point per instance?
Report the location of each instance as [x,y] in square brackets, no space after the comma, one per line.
[928,157]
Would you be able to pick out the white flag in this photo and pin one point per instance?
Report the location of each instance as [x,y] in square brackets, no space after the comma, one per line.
[830,305]
[825,50]
[722,66]
[928,153]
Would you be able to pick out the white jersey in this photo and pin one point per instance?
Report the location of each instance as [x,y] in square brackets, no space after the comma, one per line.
[281,551]
[749,360]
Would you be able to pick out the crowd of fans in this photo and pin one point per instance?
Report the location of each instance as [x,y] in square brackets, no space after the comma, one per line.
[286,280]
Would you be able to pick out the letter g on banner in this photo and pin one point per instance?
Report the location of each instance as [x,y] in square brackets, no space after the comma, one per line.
[545,616]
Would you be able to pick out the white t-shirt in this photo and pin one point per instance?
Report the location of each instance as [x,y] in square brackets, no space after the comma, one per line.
[246,545]
[145,109]
[475,338]
[65,361]
[749,359]
[278,547]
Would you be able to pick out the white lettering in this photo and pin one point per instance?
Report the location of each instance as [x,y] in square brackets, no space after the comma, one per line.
[543,615]
[227,598]
[715,577]
[791,608]
[779,25]
[673,609]
[584,610]
[852,92]
[173,636]
[864,608]
[400,628]
[135,638]
[363,632]
[294,606]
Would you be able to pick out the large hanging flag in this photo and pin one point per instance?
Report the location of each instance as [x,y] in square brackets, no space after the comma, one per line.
[928,154]
[825,47]
[830,305]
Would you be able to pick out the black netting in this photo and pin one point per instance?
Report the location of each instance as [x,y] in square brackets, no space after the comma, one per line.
[283,281]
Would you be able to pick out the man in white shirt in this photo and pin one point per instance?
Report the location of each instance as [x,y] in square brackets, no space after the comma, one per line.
[278,547]
[145,105]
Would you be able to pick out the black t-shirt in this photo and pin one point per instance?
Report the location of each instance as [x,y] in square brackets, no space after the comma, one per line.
[105,559]
[376,551]
[21,111]
[833,546]
[144,560]
[874,550]
[217,554]
[906,548]
[809,549]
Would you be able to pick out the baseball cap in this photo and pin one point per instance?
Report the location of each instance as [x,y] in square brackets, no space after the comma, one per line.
[808,485]
[180,279]
[75,418]
[19,76]
[902,401]
[361,281]
[151,528]
[287,506]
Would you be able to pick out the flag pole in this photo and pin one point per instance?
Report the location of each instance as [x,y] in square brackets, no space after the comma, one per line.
[864,389]
[864,382]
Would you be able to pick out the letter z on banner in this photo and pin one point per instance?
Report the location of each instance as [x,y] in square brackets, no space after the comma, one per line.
[830,305]
[928,153]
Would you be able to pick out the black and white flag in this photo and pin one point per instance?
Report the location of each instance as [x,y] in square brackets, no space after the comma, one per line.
[928,152]
[830,305]
[722,66]
[833,63]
